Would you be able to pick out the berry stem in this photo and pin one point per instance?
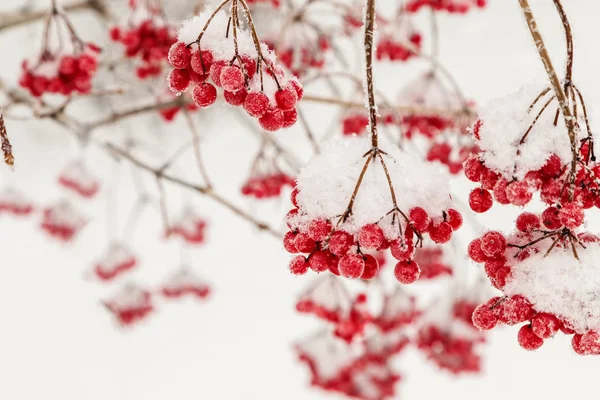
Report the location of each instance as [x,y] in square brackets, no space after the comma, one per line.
[348,211]
[368,43]
[223,3]
[5,145]
[569,41]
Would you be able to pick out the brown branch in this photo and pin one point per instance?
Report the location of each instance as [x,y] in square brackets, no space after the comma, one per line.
[13,19]
[569,41]
[194,187]
[132,112]
[5,145]
[368,43]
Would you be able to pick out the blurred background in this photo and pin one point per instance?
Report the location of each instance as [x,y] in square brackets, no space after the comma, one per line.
[57,340]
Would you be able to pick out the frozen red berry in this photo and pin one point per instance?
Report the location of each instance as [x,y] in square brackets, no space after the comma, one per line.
[235,98]
[484,318]
[179,55]
[480,200]
[552,167]
[493,244]
[179,80]
[371,267]
[551,219]
[519,193]
[319,261]
[204,95]
[215,71]
[298,265]
[407,272]
[545,325]
[286,98]
[526,222]
[319,229]
[515,309]
[370,236]
[441,233]
[587,343]
[290,117]
[351,266]
[202,62]
[288,242]
[298,88]
[419,218]
[455,219]
[402,250]
[272,120]
[294,196]
[256,104]
[231,78]
[475,252]
[304,243]
[340,243]
[528,340]
[571,215]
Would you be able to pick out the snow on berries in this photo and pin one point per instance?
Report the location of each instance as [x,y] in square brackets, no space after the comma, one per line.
[130,304]
[398,40]
[78,178]
[63,221]
[12,201]
[185,282]
[548,277]
[450,6]
[205,58]
[339,219]
[116,260]
[188,226]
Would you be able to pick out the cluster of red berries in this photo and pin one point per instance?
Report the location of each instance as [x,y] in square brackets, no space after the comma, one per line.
[189,226]
[449,155]
[495,250]
[117,260]
[274,3]
[62,221]
[77,178]
[130,305]
[63,74]
[399,311]
[300,59]
[267,186]
[329,300]
[14,202]
[431,261]
[391,48]
[428,125]
[240,81]
[451,6]
[335,368]
[185,283]
[453,350]
[148,42]
[339,252]
[354,122]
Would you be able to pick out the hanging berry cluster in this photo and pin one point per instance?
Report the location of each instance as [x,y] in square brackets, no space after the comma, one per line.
[146,38]
[333,238]
[266,180]
[14,202]
[207,55]
[451,6]
[398,40]
[64,67]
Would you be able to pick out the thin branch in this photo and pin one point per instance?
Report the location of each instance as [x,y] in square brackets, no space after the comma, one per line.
[368,43]
[5,145]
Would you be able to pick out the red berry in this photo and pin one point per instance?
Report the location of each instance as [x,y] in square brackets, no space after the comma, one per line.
[204,95]
[402,250]
[571,215]
[419,218]
[288,242]
[290,117]
[480,200]
[286,98]
[215,71]
[500,191]
[304,243]
[256,104]
[455,219]
[272,120]
[370,236]
[484,318]
[545,325]
[552,167]
[473,168]
[179,55]
[202,64]
[519,193]
[298,265]
[526,222]
[441,233]
[298,88]
[515,309]
[68,66]
[319,261]
[489,178]
[294,196]
[528,340]
[179,80]
[351,266]
[235,98]
[492,266]
[340,243]
[407,272]
[231,78]
[550,218]
[587,343]
[502,276]
[371,267]
[319,229]
[493,244]
[475,252]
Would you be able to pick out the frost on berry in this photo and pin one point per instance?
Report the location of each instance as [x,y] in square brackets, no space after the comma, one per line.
[327,299]
[450,6]
[529,340]
[407,272]
[188,226]
[204,95]
[185,282]
[130,304]
[116,260]
[399,310]
[256,104]
[63,221]
[298,265]
[370,236]
[351,266]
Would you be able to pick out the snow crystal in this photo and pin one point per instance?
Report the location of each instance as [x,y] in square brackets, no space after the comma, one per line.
[562,285]
[327,182]
[505,122]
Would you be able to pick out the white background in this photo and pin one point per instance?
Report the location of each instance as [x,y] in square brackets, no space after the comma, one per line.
[57,341]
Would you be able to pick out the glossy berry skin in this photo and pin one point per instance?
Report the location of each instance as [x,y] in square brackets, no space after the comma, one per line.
[528,340]
[551,219]
[407,272]
[526,222]
[480,200]
[419,218]
[351,266]
[455,219]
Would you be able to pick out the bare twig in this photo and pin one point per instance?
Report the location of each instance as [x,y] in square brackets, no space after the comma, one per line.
[5,145]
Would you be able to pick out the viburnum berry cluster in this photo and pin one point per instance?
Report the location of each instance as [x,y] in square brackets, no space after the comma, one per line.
[185,282]
[354,122]
[12,201]
[398,40]
[431,260]
[267,186]
[77,178]
[333,237]
[116,260]
[451,6]
[189,226]
[130,304]
[64,67]
[206,57]
[63,221]
[146,38]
